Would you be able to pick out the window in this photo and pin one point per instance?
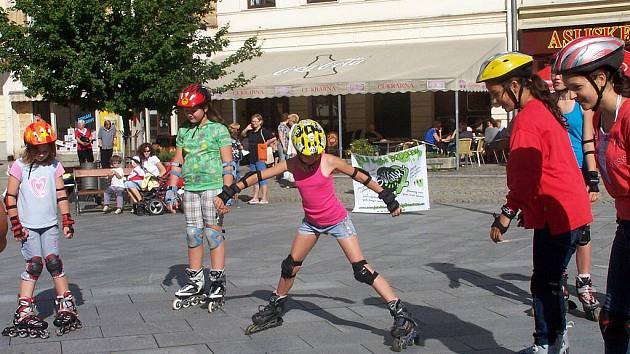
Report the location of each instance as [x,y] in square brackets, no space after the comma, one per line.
[316,1]
[254,4]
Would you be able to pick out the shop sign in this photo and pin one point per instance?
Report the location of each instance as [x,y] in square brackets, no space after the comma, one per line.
[436,85]
[550,40]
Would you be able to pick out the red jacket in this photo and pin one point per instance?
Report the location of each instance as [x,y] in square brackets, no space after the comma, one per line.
[543,177]
[612,159]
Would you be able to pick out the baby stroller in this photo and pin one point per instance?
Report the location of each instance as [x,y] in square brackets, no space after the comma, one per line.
[153,191]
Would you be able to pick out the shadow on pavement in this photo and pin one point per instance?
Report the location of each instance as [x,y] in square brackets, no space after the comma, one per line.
[297,301]
[46,300]
[496,286]
[448,324]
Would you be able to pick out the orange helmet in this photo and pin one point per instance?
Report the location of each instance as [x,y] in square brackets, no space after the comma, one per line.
[39,133]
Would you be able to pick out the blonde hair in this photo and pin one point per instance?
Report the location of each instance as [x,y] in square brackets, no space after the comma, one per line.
[257,116]
[294,118]
[234,126]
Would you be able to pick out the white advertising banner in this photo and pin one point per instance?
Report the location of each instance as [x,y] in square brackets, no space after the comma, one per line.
[403,172]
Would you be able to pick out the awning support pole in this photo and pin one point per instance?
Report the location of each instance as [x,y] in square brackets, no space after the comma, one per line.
[233,111]
[456,130]
[340,140]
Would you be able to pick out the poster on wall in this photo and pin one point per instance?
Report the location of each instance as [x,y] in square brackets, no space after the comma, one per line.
[117,125]
[404,173]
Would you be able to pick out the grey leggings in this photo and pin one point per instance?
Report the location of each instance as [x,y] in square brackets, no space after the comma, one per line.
[40,243]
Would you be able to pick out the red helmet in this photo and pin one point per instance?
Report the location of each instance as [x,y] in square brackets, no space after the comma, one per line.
[39,133]
[192,96]
[586,54]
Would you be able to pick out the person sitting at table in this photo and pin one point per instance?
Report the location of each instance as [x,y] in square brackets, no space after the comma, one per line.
[434,138]
[492,129]
[371,134]
[465,132]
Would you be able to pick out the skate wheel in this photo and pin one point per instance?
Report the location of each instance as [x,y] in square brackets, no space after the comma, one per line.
[22,334]
[59,332]
[177,304]
[44,335]
[397,345]
[250,329]
[78,325]
[194,301]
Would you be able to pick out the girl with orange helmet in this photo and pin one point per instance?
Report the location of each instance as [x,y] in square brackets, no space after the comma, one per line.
[35,190]
[313,171]
[591,69]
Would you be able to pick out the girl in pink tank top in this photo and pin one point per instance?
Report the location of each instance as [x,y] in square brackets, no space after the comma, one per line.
[323,214]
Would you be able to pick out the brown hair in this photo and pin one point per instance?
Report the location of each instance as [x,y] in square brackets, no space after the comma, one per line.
[141,149]
[31,151]
[539,89]
[621,83]
[116,159]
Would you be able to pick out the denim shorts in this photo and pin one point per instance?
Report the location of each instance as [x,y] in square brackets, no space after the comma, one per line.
[340,230]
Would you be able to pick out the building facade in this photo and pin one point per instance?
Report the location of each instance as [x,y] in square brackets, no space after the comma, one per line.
[397,64]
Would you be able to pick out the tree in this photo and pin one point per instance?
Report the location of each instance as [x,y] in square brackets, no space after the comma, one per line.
[118,55]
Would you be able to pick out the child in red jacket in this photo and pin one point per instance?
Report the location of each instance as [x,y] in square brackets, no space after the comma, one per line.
[544,183]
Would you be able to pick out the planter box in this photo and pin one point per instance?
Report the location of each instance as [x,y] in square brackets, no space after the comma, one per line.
[441,163]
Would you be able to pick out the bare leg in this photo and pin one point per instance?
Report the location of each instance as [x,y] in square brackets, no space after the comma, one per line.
[217,255]
[195,257]
[352,249]
[134,194]
[583,258]
[255,194]
[61,285]
[301,247]
[265,192]
[27,288]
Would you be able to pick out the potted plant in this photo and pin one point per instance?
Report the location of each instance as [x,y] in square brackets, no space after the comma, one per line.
[363,147]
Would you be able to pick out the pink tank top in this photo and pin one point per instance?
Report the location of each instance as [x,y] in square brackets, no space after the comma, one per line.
[321,205]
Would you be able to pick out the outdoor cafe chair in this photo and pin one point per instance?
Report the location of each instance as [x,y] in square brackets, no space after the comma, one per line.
[479,151]
[465,150]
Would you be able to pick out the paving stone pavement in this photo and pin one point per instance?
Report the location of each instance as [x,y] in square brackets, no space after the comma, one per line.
[468,294]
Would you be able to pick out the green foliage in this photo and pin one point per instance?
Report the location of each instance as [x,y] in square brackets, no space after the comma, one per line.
[165,155]
[363,147]
[119,55]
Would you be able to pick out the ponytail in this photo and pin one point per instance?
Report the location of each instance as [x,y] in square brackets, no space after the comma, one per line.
[539,89]
[621,83]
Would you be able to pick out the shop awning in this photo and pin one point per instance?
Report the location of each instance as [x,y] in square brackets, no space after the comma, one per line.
[449,64]
[20,96]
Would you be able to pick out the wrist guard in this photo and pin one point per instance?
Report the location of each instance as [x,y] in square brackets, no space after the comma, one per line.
[507,211]
[228,192]
[390,200]
[498,225]
[67,221]
[16,227]
[592,181]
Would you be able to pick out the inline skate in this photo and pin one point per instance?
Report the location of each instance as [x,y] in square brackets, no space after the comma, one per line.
[405,329]
[586,295]
[26,322]
[216,293]
[268,316]
[66,318]
[192,293]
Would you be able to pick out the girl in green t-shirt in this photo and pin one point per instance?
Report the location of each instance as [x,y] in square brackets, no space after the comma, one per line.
[204,158]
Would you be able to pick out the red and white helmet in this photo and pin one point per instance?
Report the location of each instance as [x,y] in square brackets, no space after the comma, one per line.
[192,96]
[587,54]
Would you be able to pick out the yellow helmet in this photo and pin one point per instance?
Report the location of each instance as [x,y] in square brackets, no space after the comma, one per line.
[502,65]
[308,137]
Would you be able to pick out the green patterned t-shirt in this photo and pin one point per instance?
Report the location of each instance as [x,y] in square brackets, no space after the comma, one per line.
[201,145]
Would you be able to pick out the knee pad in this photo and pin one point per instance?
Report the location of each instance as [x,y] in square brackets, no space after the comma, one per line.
[34,268]
[213,237]
[614,327]
[54,265]
[585,238]
[363,274]
[194,236]
[287,266]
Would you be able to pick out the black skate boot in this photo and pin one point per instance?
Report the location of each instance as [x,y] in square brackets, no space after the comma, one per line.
[67,317]
[216,293]
[268,316]
[192,293]
[26,322]
[586,295]
[405,329]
